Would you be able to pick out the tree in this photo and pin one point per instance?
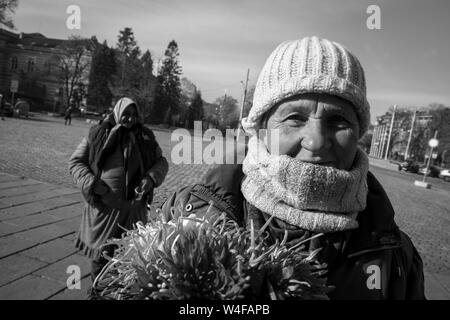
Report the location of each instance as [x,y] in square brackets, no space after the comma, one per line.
[211,113]
[129,52]
[7,8]
[188,92]
[441,124]
[128,58]
[135,74]
[168,96]
[72,63]
[79,93]
[195,109]
[103,68]
[428,120]
[145,90]
[228,112]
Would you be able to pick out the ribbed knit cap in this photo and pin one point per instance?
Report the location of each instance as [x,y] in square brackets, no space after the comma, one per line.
[309,65]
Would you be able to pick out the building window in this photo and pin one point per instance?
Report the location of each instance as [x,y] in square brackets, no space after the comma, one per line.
[30,65]
[13,63]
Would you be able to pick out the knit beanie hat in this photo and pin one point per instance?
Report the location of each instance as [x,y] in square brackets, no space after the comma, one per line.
[309,65]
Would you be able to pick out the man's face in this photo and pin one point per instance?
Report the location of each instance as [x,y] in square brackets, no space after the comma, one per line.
[316,128]
[129,117]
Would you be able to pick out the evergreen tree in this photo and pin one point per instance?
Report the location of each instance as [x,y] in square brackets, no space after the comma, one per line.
[134,78]
[145,89]
[168,95]
[103,67]
[128,58]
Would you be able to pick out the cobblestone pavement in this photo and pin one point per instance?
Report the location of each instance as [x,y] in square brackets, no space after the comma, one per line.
[39,149]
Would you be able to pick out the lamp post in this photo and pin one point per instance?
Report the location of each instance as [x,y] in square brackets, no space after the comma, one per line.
[432,143]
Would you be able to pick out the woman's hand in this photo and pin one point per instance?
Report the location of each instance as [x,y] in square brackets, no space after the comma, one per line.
[147,185]
[145,189]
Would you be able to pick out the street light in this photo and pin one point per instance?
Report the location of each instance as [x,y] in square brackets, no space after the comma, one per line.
[433,143]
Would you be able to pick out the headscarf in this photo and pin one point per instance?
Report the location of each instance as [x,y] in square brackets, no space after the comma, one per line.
[121,106]
[133,163]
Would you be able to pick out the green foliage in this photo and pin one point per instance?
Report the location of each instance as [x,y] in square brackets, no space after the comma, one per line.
[210,258]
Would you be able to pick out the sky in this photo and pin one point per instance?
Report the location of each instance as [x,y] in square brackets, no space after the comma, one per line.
[407,61]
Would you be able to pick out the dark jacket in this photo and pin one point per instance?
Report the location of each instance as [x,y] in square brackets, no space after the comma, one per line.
[102,219]
[87,161]
[375,261]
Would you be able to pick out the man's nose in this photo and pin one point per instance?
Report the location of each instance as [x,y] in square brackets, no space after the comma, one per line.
[315,136]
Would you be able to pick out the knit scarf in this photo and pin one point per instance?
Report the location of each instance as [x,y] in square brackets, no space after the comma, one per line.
[312,197]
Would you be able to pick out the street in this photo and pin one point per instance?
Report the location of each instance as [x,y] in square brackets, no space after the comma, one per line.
[39,148]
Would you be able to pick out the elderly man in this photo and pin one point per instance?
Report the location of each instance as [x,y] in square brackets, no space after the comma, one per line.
[315,180]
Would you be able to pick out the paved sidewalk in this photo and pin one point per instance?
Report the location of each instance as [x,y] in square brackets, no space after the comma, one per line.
[38,222]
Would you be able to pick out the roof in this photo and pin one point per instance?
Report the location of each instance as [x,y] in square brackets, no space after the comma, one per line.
[29,39]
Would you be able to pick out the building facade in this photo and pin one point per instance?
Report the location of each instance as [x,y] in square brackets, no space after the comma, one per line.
[28,58]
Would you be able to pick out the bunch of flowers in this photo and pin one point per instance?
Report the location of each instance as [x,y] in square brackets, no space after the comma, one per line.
[213,258]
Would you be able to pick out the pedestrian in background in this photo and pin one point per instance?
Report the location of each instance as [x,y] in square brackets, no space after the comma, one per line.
[315,183]
[117,168]
[68,116]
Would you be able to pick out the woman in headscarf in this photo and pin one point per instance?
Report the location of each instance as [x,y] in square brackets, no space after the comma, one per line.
[310,180]
[116,167]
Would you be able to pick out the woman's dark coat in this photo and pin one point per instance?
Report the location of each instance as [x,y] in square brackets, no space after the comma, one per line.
[106,216]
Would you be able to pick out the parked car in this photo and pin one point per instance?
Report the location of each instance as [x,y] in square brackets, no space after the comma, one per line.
[433,171]
[409,166]
[22,108]
[445,174]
